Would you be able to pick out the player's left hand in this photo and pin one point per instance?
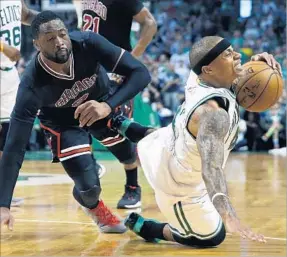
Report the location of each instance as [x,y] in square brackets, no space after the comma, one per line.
[91,111]
[269,59]
[12,53]
[234,226]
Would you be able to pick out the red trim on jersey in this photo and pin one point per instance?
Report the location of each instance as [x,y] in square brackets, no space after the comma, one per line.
[58,136]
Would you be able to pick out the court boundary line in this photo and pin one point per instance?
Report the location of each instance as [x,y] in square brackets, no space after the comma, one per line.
[266,237]
[92,223]
[55,221]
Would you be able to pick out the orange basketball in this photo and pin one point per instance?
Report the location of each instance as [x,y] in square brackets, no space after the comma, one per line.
[260,87]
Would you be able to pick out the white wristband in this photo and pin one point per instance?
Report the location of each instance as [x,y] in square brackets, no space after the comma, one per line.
[217,194]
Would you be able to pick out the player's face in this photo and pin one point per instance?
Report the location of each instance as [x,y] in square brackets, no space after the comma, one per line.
[228,66]
[54,41]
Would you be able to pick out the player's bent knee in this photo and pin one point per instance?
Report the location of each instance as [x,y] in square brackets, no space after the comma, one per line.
[219,238]
[91,196]
[131,166]
[125,152]
[201,241]
[83,170]
[88,198]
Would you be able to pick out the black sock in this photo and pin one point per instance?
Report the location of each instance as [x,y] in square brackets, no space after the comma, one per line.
[132,177]
[152,229]
[133,130]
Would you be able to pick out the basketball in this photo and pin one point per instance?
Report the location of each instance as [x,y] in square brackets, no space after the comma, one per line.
[259,88]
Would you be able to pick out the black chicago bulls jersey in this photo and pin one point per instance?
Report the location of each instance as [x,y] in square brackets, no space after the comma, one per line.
[54,94]
[111,18]
[51,91]
[57,95]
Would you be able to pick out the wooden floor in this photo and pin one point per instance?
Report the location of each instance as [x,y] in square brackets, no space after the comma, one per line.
[51,224]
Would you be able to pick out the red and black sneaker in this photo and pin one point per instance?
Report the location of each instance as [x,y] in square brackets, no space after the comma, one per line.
[105,219]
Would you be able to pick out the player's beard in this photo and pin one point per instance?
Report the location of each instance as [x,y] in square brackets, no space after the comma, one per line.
[62,56]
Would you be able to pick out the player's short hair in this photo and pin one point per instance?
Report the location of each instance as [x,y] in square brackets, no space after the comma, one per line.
[41,18]
[201,48]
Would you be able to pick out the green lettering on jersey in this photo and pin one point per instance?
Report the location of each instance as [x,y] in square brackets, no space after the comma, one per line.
[12,37]
[235,121]
[179,112]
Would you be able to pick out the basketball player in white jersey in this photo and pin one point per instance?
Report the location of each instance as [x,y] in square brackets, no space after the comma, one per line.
[12,14]
[184,161]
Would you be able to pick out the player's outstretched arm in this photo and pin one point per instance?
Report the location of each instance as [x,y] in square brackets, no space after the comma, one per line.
[113,59]
[11,52]
[25,109]
[148,30]
[28,15]
[78,7]
[119,61]
[213,125]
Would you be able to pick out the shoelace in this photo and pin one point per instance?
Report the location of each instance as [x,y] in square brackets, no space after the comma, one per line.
[131,193]
[105,216]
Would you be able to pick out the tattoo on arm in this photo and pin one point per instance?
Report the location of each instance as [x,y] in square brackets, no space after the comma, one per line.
[213,127]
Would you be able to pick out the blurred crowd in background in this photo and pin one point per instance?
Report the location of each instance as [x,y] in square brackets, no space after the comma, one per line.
[180,24]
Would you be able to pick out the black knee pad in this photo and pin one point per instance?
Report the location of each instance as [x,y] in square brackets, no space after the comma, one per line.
[83,170]
[124,151]
[88,198]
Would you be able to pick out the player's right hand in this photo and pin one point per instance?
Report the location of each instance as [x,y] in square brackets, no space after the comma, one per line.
[269,59]
[91,111]
[12,53]
[6,218]
[234,226]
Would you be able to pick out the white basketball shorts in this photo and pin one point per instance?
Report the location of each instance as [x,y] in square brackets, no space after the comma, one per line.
[9,85]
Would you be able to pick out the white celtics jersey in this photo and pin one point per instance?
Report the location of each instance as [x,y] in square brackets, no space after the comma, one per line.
[169,156]
[10,27]
[184,145]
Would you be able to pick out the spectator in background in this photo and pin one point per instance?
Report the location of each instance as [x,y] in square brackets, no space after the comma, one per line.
[272,124]
[170,87]
[180,55]
[165,114]
[182,71]
[241,141]
[237,39]
[209,29]
[268,6]
[252,129]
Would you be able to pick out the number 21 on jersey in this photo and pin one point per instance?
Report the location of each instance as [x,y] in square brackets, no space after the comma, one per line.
[91,23]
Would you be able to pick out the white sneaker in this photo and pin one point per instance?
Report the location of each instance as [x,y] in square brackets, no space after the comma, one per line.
[280,151]
[17,202]
[102,170]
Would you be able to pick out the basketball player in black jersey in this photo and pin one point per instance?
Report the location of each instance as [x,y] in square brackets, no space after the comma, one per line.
[113,20]
[68,71]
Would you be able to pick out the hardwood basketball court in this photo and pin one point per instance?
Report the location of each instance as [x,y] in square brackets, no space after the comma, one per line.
[51,224]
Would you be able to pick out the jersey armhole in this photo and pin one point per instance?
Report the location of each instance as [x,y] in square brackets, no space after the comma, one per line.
[222,102]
